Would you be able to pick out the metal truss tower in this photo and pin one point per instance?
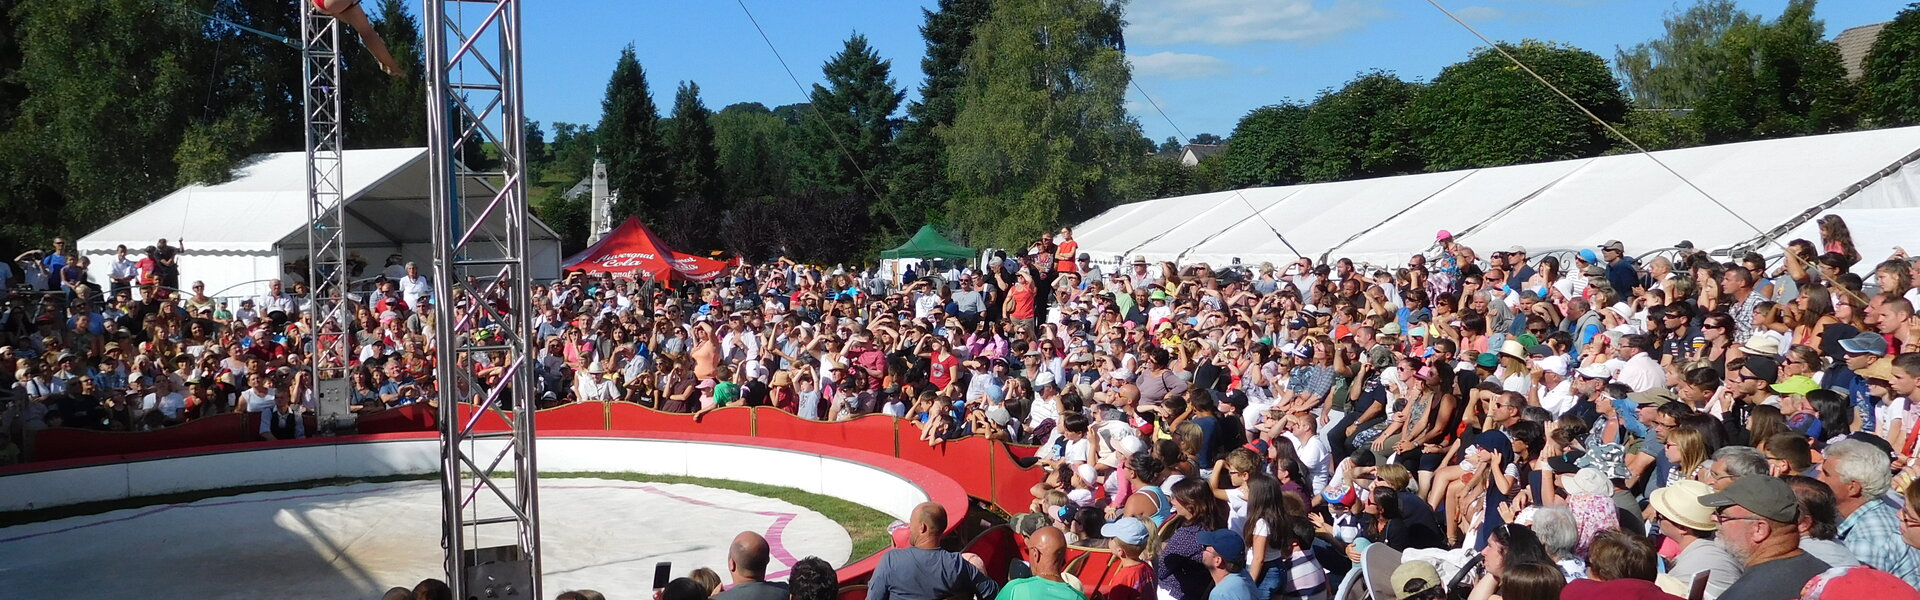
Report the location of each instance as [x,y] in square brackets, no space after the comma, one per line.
[490,501]
[328,274]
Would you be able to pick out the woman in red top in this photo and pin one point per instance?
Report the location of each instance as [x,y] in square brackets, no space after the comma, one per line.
[940,366]
[1063,255]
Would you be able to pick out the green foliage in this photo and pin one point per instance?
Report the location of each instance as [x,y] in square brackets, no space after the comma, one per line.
[386,111]
[1360,130]
[918,189]
[1208,139]
[629,139]
[752,152]
[1892,79]
[573,150]
[1269,147]
[1673,72]
[1486,112]
[695,165]
[208,152]
[1042,135]
[571,218]
[842,146]
[1658,130]
[1796,84]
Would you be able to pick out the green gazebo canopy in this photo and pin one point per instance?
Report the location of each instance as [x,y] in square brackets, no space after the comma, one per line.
[928,243]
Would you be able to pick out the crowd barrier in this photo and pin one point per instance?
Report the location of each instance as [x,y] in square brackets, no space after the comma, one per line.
[984,469]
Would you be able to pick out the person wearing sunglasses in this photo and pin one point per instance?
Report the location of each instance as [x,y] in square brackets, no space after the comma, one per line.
[1758,521]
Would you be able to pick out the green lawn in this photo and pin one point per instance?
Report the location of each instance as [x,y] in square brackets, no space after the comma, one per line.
[867,527]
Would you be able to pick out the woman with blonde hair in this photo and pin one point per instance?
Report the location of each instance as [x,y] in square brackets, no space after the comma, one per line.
[1687,450]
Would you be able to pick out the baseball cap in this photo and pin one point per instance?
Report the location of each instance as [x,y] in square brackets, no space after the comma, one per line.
[1763,367]
[1865,343]
[1129,531]
[1857,582]
[1653,397]
[1516,249]
[1764,495]
[1589,256]
[1443,235]
[1414,577]
[1613,245]
[1555,364]
[1227,544]
[1487,359]
[1596,371]
[1797,385]
[1594,270]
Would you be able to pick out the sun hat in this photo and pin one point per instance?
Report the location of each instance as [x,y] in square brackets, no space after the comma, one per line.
[1514,349]
[1594,270]
[1414,577]
[1390,329]
[1130,531]
[782,378]
[1761,346]
[1880,369]
[1121,374]
[1679,502]
[1653,397]
[597,369]
[1487,359]
[1797,385]
[1588,481]
[999,415]
[1763,495]
[1609,459]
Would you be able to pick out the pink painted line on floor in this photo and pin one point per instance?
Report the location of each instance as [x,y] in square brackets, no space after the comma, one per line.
[775,533]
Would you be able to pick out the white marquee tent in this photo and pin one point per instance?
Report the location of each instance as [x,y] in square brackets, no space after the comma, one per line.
[238,235]
[1779,186]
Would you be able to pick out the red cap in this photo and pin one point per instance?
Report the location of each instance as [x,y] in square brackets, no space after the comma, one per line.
[1857,582]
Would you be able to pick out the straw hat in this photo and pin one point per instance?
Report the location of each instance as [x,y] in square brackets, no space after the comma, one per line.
[1514,348]
[1679,502]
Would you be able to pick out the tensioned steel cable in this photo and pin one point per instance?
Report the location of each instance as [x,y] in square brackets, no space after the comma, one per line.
[1236,191]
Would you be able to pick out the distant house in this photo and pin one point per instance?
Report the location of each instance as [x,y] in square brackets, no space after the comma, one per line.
[1192,154]
[1854,44]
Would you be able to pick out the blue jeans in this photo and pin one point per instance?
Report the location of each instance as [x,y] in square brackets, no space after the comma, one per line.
[1273,580]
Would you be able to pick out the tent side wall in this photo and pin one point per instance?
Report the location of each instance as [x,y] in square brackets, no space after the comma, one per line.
[227,274]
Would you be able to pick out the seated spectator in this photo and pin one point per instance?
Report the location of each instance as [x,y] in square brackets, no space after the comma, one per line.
[1049,547]
[1759,524]
[924,571]
[747,561]
[1689,525]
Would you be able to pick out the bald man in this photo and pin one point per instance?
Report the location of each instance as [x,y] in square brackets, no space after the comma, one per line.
[1049,559]
[924,571]
[747,560]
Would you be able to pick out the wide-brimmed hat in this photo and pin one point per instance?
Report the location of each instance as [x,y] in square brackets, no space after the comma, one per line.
[1679,502]
[1514,349]
[1587,481]
[1761,346]
[1609,459]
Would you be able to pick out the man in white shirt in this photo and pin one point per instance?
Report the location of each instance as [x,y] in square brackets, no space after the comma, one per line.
[1555,389]
[165,399]
[1641,372]
[596,387]
[276,301]
[124,270]
[413,286]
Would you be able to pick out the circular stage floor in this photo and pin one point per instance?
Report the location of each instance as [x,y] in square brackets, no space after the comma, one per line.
[355,541]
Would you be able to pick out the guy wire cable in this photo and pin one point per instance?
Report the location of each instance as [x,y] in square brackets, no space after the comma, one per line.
[1236,191]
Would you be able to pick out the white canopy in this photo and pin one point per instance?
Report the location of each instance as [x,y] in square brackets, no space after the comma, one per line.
[238,234]
[1567,205]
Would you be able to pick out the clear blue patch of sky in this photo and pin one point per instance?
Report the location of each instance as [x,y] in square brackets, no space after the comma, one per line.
[571,47]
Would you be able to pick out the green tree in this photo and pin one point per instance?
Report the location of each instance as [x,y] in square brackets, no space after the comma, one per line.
[1659,130]
[1361,130]
[571,218]
[1795,83]
[1892,80]
[1208,139]
[1484,112]
[752,147]
[841,147]
[696,171]
[386,111]
[1673,72]
[629,139]
[1171,145]
[1269,147]
[1158,176]
[574,147]
[918,188]
[1042,134]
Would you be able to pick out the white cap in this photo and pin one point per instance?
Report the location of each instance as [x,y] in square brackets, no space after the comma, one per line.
[1043,380]
[1121,374]
[1596,371]
[999,415]
[1555,364]
[1080,497]
[1130,445]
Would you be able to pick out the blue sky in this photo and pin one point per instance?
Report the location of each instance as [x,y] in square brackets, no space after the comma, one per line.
[1207,62]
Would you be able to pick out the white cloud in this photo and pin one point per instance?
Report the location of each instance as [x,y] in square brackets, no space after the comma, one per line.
[1175,65]
[1230,22]
[1479,14]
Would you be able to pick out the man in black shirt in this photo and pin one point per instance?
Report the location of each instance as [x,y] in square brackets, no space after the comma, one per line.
[1759,519]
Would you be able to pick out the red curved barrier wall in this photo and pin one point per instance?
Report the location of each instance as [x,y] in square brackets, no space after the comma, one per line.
[973,466]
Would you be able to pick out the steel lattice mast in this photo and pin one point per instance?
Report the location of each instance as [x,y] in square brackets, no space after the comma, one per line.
[328,274]
[480,226]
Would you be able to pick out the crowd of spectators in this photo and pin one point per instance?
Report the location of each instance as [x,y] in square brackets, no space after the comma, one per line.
[1575,425]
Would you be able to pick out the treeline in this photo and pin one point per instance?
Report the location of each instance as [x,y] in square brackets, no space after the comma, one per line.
[1718,75]
[1020,124]
[106,105]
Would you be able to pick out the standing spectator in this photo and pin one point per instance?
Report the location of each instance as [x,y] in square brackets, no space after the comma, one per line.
[166,264]
[124,270]
[414,286]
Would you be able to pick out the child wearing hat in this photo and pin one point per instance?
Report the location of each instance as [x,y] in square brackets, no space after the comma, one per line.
[1132,578]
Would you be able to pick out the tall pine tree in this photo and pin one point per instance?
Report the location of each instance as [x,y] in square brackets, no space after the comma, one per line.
[846,141]
[630,142]
[919,188]
[696,172]
[1042,133]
